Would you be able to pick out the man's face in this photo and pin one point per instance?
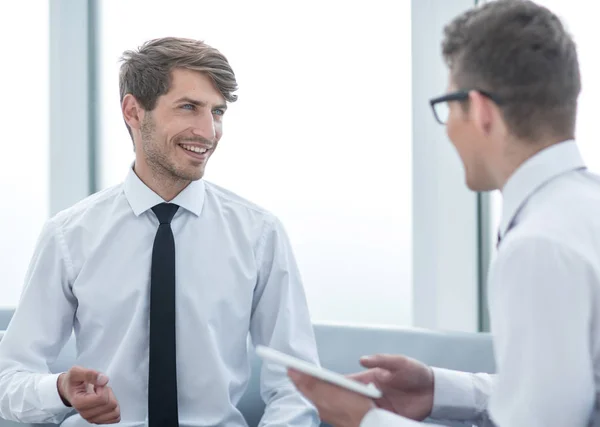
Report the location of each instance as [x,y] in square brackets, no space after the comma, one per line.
[180,134]
[468,129]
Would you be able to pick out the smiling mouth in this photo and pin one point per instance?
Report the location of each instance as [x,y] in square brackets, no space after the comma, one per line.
[194,149]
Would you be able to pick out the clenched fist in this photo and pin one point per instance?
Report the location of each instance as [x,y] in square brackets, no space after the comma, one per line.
[87,392]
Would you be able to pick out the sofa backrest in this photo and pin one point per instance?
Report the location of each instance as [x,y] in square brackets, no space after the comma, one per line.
[340,348]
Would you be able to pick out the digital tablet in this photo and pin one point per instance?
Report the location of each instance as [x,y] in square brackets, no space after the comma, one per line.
[280,358]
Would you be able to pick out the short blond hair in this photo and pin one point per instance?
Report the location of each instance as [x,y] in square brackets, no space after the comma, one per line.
[146,72]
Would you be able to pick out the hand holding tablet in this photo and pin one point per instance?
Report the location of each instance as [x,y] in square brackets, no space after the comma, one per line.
[271,355]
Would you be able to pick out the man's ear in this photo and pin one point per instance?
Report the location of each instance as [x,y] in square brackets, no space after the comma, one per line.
[482,111]
[133,113]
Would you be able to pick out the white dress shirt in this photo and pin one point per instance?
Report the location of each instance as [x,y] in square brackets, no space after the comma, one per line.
[236,277]
[544,300]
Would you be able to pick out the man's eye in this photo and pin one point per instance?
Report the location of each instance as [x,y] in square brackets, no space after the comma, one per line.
[188,107]
[218,111]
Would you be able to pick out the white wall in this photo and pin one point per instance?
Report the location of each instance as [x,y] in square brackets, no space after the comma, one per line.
[445,267]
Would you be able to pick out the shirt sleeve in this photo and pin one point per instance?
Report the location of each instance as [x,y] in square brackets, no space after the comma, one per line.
[281,320]
[37,332]
[458,397]
[461,396]
[382,418]
[541,309]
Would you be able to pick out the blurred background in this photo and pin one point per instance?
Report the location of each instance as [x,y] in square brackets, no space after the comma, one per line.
[332,132]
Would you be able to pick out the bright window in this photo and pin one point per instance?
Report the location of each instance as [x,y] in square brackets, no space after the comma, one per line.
[321,134]
[24,115]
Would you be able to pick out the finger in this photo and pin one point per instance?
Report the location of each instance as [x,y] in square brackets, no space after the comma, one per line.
[77,374]
[104,413]
[386,361]
[303,381]
[102,410]
[364,377]
[295,376]
[101,380]
[111,421]
[111,417]
[112,400]
[99,398]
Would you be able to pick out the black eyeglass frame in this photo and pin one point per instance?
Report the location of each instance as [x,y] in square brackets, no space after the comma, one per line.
[459,95]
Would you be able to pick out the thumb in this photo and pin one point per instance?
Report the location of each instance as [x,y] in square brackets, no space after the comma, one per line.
[383,361]
[101,380]
[88,376]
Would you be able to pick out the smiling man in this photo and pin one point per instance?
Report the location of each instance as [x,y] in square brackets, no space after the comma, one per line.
[161,278]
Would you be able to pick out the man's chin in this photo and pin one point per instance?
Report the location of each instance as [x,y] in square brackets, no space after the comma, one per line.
[192,176]
[479,186]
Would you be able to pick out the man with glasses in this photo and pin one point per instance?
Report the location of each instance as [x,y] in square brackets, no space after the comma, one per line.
[510,112]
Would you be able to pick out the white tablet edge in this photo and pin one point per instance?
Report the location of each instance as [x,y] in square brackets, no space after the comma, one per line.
[291,362]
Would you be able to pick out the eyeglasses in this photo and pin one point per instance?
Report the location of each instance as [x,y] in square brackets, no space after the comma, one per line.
[440,106]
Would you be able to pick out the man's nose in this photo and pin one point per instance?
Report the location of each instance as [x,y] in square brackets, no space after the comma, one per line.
[205,127]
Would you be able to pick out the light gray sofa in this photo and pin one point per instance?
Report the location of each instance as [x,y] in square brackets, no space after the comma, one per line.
[340,348]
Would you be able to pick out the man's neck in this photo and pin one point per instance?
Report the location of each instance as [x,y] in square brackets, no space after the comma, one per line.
[518,152]
[161,182]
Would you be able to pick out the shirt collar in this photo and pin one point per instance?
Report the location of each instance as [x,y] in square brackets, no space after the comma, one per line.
[141,197]
[535,172]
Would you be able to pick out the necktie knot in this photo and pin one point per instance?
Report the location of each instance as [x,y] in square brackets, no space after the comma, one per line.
[165,212]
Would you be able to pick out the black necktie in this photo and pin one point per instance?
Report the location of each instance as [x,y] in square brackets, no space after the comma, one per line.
[162,375]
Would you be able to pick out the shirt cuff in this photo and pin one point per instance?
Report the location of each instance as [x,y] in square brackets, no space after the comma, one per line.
[383,418]
[453,396]
[48,395]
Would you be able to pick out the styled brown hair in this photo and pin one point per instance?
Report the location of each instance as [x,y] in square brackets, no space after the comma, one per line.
[146,72]
[522,54]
